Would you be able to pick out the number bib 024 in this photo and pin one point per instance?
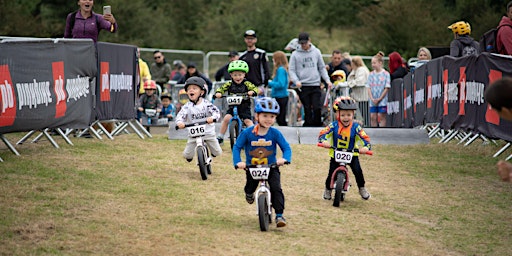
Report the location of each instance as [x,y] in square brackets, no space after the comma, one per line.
[343,156]
[259,173]
[196,131]
[234,100]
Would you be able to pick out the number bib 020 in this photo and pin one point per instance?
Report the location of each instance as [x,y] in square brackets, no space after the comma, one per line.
[196,131]
[234,100]
[259,173]
[343,156]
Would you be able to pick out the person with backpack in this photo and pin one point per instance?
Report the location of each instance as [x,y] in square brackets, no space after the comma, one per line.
[84,23]
[504,35]
[463,44]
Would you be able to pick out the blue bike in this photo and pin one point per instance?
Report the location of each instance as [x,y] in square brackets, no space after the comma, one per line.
[235,125]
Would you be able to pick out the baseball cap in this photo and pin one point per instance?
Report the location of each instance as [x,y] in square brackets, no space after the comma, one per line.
[232,54]
[250,32]
[191,65]
[303,37]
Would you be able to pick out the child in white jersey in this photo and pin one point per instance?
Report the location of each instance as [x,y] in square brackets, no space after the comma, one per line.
[196,110]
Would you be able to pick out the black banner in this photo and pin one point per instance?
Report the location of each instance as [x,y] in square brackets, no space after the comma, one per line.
[434,86]
[395,104]
[419,107]
[46,84]
[407,101]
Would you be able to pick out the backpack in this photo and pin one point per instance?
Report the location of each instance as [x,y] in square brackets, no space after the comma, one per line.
[72,22]
[488,40]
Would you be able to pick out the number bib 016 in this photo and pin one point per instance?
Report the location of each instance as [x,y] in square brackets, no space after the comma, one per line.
[234,100]
[259,173]
[196,131]
[343,156]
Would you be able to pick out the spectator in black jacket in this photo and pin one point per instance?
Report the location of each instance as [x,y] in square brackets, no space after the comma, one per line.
[222,73]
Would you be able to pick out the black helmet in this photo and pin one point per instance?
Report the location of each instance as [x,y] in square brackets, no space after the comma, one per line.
[199,82]
[344,103]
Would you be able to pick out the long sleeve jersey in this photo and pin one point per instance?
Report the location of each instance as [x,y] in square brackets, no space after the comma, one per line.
[191,113]
[344,137]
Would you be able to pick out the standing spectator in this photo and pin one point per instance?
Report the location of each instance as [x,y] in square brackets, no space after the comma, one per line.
[423,57]
[379,82]
[144,74]
[160,70]
[181,70]
[257,60]
[463,44]
[292,45]
[84,23]
[222,73]
[192,71]
[504,36]
[279,85]
[176,68]
[307,68]
[396,66]
[336,63]
[357,80]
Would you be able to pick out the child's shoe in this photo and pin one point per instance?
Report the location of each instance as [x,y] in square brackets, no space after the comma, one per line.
[249,198]
[280,221]
[189,160]
[364,194]
[327,194]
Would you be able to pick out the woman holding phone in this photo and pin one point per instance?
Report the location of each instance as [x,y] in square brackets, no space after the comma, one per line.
[84,23]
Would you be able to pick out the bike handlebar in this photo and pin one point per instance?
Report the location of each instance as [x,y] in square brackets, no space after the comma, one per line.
[355,150]
[194,124]
[274,165]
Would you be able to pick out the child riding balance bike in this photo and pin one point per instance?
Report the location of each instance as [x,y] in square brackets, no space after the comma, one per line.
[345,134]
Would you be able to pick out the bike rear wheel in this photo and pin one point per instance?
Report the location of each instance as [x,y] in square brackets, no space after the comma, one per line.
[338,191]
[201,159]
[233,132]
[263,214]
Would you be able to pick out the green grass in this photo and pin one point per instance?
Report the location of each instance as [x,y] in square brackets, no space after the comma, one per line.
[140,197]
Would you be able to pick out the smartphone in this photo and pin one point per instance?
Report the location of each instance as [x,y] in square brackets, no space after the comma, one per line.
[107,9]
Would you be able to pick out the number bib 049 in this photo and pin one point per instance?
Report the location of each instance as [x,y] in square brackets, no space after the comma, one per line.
[196,131]
[259,173]
[343,156]
[234,100]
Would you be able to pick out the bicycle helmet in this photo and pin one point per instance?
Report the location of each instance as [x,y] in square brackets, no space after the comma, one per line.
[460,28]
[344,103]
[195,80]
[238,65]
[150,85]
[339,73]
[266,105]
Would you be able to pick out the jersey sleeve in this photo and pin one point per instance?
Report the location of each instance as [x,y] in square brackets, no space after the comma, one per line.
[222,89]
[363,137]
[251,87]
[239,144]
[326,134]
[284,145]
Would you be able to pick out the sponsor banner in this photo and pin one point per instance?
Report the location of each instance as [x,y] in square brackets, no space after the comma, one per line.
[418,88]
[46,84]
[395,104]
[407,101]
[434,88]
[115,90]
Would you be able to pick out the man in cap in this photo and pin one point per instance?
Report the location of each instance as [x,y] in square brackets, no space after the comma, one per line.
[222,73]
[257,60]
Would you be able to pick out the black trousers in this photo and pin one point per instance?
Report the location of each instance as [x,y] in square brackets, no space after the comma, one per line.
[356,170]
[274,182]
[310,97]
[283,106]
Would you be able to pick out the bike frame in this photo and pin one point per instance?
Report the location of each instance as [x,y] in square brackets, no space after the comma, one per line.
[263,189]
[341,168]
[200,143]
[237,118]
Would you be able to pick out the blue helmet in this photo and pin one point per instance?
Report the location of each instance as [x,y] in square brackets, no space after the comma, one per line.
[266,105]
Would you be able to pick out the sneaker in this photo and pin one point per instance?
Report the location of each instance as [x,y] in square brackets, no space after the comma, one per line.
[249,198]
[189,160]
[220,140]
[364,194]
[280,222]
[327,194]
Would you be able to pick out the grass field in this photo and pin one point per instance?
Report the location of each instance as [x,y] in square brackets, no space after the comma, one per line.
[139,197]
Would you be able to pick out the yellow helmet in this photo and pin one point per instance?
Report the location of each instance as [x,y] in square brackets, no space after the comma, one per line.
[339,73]
[460,28]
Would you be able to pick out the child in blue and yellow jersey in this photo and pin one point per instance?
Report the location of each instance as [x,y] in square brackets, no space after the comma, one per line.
[344,133]
[260,145]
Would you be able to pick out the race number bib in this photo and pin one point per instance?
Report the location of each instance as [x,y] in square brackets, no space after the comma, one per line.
[259,173]
[196,131]
[234,100]
[343,157]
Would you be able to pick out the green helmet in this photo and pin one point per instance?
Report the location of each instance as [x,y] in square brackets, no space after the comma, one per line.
[238,65]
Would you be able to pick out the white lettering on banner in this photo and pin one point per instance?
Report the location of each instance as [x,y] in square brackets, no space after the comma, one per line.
[475,92]
[407,102]
[435,91]
[393,107]
[33,94]
[121,82]
[59,89]
[7,98]
[105,86]
[77,87]
[462,90]
[419,96]
[453,93]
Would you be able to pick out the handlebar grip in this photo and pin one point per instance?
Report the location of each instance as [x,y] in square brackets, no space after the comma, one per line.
[369,152]
[319,144]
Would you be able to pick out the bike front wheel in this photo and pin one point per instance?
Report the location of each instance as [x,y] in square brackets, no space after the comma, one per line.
[201,159]
[263,214]
[233,132]
[338,191]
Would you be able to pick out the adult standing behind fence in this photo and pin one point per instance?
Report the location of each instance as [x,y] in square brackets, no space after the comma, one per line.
[257,60]
[84,23]
[222,73]
[504,36]
[279,85]
[307,68]
[357,82]
[463,44]
[160,70]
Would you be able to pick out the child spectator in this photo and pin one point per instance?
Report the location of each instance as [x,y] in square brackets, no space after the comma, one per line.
[339,81]
[260,145]
[168,109]
[378,84]
[199,109]
[150,105]
[463,44]
[279,85]
[397,67]
[238,85]
[344,133]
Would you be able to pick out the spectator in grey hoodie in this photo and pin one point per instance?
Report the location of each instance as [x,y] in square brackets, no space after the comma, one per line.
[307,68]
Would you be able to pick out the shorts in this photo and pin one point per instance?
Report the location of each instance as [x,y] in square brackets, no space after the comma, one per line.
[243,113]
[379,109]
